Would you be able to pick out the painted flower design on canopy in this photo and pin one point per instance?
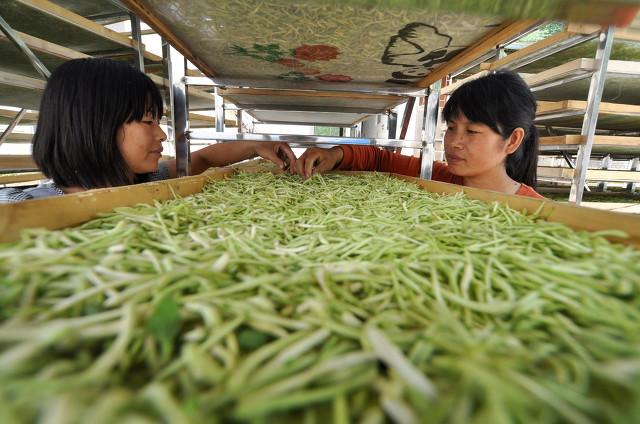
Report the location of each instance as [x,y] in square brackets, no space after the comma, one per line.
[291,63]
[314,52]
[298,61]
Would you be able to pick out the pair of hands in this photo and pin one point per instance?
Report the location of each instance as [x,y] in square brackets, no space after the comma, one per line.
[313,161]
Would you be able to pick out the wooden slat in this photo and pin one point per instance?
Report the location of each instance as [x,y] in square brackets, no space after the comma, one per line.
[21,81]
[560,71]
[59,12]
[627,35]
[570,114]
[592,174]
[552,107]
[19,137]
[616,140]
[21,178]
[148,16]
[582,65]
[203,121]
[11,114]
[626,67]
[142,32]
[42,46]
[581,105]
[490,41]
[16,161]
[197,121]
[597,140]
[568,69]
[68,54]
[578,28]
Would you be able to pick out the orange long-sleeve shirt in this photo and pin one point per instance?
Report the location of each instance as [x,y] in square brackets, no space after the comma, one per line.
[369,158]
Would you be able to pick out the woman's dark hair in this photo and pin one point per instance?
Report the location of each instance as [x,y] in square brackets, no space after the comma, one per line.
[84,104]
[503,102]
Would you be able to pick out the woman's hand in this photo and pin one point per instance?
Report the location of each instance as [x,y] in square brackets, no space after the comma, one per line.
[278,153]
[318,161]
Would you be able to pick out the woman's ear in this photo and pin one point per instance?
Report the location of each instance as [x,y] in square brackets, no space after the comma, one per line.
[514,141]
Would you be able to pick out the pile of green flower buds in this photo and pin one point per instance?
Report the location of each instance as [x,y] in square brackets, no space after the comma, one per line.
[338,299]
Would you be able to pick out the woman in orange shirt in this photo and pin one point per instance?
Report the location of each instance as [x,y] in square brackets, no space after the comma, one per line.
[491,141]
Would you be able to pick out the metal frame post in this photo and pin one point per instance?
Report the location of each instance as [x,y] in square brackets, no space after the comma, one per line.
[35,62]
[591,116]
[375,126]
[7,132]
[406,118]
[607,162]
[429,124]
[635,166]
[219,108]
[136,35]
[15,38]
[239,121]
[166,63]
[179,110]
[392,124]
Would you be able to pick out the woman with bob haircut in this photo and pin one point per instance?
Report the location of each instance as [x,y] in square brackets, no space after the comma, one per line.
[99,126]
[491,141]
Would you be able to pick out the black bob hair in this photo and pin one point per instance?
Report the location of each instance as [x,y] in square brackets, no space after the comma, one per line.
[502,101]
[84,105]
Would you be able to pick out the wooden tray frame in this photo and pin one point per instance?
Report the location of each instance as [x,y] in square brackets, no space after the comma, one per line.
[74,209]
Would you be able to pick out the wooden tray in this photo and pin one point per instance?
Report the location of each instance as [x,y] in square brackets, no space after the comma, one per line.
[74,209]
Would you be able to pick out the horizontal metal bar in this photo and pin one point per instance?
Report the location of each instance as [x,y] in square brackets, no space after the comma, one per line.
[562,80]
[522,34]
[118,4]
[473,64]
[313,108]
[558,115]
[319,124]
[107,54]
[550,50]
[401,90]
[109,16]
[575,131]
[597,149]
[16,170]
[292,145]
[490,54]
[303,139]
[200,81]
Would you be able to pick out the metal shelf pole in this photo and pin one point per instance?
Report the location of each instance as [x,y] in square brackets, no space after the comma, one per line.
[429,124]
[176,64]
[206,135]
[591,116]
[33,59]
[219,109]
[136,35]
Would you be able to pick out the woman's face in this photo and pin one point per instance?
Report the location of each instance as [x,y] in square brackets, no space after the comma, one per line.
[473,148]
[140,143]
